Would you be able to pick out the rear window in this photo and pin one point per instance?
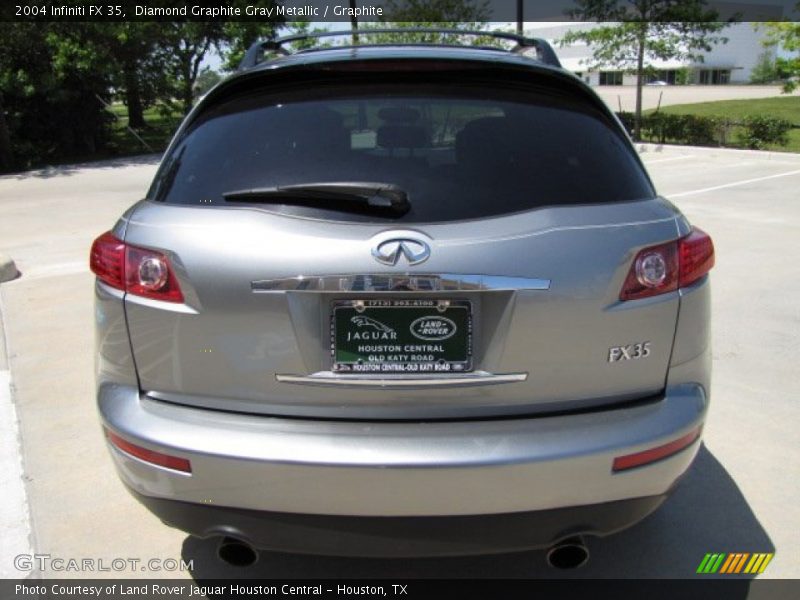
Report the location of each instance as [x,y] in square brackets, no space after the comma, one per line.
[458,151]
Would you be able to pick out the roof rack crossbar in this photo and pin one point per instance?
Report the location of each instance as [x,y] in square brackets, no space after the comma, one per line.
[543,50]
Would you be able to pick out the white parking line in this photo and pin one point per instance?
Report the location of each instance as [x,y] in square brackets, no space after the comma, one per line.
[663,160]
[14,517]
[732,184]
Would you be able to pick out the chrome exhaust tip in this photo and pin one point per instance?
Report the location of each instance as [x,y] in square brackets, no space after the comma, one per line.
[236,553]
[568,554]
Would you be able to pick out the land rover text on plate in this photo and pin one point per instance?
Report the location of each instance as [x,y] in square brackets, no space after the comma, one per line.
[402,300]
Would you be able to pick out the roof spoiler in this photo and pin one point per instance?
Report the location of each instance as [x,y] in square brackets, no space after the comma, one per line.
[544,52]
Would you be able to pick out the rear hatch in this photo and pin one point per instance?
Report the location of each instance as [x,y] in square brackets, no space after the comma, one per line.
[447,241]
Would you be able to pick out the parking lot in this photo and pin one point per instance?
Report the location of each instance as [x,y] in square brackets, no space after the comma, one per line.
[742,495]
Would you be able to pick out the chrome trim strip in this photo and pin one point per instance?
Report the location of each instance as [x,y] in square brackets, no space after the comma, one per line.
[329,378]
[398,282]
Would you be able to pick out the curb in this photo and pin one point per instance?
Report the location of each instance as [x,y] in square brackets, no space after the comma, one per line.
[15,518]
[649,147]
[8,270]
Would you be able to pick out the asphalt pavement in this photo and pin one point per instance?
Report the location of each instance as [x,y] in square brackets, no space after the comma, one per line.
[742,495]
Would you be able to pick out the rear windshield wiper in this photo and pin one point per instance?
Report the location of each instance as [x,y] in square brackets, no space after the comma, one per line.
[353,196]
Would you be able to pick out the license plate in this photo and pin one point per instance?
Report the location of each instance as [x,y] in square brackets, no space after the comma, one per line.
[401,336]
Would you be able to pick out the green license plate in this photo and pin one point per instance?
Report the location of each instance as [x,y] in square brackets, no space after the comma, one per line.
[401,336]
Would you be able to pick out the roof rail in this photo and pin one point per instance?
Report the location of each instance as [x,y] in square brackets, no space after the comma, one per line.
[544,52]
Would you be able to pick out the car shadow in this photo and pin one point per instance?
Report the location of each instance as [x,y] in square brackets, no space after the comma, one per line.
[67,170]
[707,513]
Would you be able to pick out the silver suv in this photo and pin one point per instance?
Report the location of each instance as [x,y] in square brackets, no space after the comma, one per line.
[402,300]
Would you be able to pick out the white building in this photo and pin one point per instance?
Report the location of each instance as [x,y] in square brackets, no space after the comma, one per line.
[732,62]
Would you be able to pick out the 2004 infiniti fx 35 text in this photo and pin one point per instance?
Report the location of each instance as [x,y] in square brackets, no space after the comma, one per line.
[402,300]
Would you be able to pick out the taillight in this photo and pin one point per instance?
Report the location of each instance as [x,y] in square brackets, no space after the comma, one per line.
[149,274]
[667,267]
[107,260]
[138,271]
[696,252]
[654,271]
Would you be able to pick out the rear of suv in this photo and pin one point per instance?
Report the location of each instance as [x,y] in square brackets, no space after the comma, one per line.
[402,300]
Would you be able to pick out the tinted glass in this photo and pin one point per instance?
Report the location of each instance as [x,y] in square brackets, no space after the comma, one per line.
[460,152]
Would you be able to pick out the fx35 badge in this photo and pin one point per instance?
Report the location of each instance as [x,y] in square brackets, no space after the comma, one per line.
[629,352]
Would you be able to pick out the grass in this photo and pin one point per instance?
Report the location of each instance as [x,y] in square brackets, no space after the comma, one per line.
[783,107]
[156,134]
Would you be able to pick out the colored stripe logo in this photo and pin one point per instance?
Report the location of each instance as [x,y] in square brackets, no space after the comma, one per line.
[735,563]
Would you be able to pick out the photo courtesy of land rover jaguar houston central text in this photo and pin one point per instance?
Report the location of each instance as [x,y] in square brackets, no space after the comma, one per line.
[394,300]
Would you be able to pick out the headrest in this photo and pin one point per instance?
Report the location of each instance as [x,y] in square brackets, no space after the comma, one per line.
[399,114]
[402,136]
[494,142]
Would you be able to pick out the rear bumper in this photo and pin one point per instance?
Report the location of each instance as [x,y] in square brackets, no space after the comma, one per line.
[400,536]
[401,469]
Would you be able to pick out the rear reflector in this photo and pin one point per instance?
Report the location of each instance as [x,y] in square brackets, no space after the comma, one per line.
[630,461]
[138,271]
[150,456]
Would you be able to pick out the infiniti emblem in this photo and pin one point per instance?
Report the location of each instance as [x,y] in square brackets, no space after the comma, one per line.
[390,251]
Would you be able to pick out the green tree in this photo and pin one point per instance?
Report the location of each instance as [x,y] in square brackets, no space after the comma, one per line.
[51,76]
[131,56]
[786,34]
[632,34]
[207,79]
[238,36]
[438,12]
[23,62]
[683,76]
[425,14]
[353,20]
[432,14]
[6,154]
[186,44]
[765,70]
[301,27]
[139,67]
